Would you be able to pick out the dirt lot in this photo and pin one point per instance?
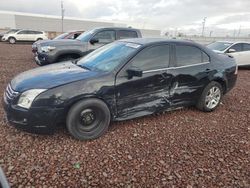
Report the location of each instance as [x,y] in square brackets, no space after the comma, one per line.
[184,148]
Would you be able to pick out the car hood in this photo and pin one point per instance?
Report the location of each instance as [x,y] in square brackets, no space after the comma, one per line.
[50,76]
[62,42]
[40,41]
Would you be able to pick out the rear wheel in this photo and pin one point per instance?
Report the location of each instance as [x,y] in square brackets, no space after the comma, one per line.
[12,40]
[88,119]
[210,97]
[39,39]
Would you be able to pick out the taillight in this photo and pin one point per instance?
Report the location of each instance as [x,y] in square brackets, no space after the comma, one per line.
[236,70]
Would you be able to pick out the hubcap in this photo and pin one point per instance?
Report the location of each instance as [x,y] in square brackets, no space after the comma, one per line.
[213,97]
[12,40]
[87,117]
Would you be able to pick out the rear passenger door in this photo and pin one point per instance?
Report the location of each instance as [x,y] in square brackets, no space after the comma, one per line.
[148,94]
[189,74]
[32,35]
[125,34]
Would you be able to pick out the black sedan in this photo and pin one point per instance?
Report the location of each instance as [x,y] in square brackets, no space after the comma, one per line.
[122,80]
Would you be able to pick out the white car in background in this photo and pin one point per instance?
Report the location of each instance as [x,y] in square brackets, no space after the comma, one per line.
[239,50]
[24,35]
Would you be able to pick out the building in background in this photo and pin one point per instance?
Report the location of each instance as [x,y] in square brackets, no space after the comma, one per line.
[53,24]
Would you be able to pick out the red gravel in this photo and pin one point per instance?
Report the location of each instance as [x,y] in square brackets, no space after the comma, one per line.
[185,148]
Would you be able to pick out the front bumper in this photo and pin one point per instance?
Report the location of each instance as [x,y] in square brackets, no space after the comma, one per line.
[4,39]
[43,59]
[39,120]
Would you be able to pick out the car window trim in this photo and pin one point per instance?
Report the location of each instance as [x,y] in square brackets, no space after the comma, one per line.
[163,69]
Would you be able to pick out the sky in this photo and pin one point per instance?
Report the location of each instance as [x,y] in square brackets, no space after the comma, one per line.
[223,17]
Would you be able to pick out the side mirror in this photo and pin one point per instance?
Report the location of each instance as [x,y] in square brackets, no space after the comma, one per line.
[134,72]
[231,50]
[93,41]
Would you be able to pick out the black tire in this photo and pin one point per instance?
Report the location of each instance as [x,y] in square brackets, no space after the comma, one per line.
[88,119]
[12,40]
[205,97]
[39,39]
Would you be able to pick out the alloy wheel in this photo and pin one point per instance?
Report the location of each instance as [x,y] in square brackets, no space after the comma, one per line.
[213,97]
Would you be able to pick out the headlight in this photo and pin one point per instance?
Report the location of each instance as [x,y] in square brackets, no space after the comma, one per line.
[27,97]
[47,48]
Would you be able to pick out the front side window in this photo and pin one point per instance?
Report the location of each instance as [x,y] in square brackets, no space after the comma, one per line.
[105,36]
[152,58]
[123,34]
[189,55]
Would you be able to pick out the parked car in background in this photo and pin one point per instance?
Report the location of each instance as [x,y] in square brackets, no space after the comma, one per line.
[123,80]
[69,35]
[239,50]
[61,50]
[24,35]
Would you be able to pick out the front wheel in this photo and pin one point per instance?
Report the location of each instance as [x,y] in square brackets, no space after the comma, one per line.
[12,40]
[210,97]
[88,119]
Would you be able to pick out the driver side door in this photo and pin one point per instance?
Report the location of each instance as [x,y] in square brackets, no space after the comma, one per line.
[148,94]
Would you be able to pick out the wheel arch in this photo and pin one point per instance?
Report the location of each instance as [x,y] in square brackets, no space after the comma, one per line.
[75,100]
[71,54]
[12,37]
[222,82]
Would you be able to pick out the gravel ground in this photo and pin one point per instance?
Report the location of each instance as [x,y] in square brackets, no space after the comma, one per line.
[185,148]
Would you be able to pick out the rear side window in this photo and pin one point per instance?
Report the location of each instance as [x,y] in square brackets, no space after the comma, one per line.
[189,55]
[38,32]
[123,34]
[246,47]
[152,58]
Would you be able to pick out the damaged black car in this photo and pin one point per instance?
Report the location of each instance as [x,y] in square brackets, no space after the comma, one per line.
[119,81]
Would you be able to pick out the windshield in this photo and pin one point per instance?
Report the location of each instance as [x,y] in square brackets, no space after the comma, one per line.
[85,36]
[62,36]
[219,46]
[108,57]
[12,31]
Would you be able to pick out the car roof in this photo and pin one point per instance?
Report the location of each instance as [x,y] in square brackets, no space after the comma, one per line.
[147,41]
[118,28]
